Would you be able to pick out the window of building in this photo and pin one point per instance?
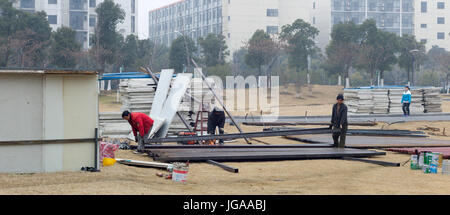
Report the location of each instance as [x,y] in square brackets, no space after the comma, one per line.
[440,35]
[423,25]
[314,20]
[272,12]
[372,5]
[52,19]
[423,41]
[272,29]
[229,18]
[423,7]
[441,5]
[76,4]
[92,21]
[407,6]
[27,3]
[314,5]
[229,35]
[92,3]
[440,20]
[52,1]
[76,20]
[229,1]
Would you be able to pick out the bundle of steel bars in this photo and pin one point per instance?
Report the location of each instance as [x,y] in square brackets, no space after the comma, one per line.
[251,153]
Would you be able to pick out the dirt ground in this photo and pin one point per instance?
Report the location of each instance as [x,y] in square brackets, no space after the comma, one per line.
[324,176]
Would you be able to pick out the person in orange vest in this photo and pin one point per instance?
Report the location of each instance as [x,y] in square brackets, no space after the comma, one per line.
[141,123]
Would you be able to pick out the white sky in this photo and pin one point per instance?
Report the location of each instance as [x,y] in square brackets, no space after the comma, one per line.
[144,6]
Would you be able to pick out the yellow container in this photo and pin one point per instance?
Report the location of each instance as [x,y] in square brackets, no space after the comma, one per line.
[108,161]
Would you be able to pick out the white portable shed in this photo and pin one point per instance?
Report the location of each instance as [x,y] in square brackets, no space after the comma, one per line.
[48,120]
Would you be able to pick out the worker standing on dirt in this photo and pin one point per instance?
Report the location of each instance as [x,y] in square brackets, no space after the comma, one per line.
[141,123]
[406,101]
[216,119]
[339,124]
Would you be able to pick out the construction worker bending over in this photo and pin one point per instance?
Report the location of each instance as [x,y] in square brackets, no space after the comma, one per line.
[339,124]
[216,119]
[141,123]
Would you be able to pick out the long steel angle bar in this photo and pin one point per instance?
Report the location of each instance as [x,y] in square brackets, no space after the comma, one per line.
[223,166]
[242,135]
[270,156]
[170,108]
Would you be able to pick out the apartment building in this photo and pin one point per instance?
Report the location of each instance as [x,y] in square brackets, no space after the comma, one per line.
[426,19]
[396,16]
[80,15]
[433,23]
[236,20]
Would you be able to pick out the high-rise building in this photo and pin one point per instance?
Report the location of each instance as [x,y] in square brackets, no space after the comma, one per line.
[423,18]
[433,23]
[236,20]
[396,16]
[80,15]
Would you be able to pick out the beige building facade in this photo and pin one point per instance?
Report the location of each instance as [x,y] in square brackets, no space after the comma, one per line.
[236,20]
[433,23]
[80,15]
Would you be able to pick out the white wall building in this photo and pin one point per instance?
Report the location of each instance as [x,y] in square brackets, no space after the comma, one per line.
[433,23]
[236,20]
[80,15]
[426,19]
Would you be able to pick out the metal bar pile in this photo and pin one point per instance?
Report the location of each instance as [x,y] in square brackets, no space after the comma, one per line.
[367,132]
[242,135]
[255,154]
[305,123]
[374,142]
[153,147]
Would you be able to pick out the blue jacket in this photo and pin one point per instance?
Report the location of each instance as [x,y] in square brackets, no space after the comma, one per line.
[406,97]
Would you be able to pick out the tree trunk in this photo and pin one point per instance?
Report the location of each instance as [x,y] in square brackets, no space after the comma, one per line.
[381,78]
[347,79]
[297,83]
[409,76]
[371,77]
[308,80]
[446,81]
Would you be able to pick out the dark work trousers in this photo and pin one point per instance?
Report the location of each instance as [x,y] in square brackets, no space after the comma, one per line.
[141,141]
[406,108]
[216,119]
[340,143]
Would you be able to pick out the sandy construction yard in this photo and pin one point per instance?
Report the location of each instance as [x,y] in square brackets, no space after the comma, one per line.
[325,176]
